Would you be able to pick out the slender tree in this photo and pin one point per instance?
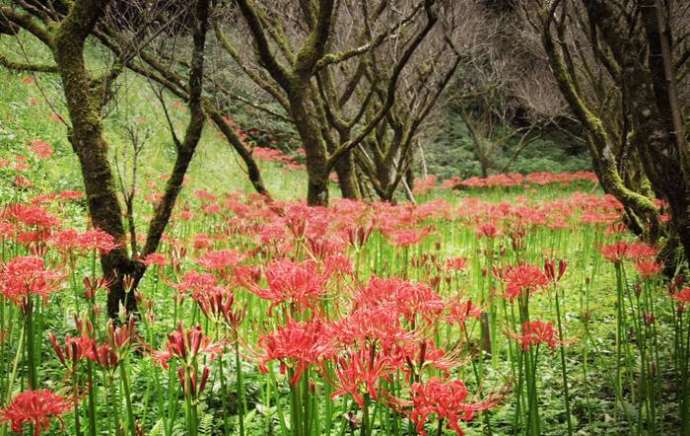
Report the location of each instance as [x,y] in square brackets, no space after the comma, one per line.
[622,69]
[86,96]
[292,44]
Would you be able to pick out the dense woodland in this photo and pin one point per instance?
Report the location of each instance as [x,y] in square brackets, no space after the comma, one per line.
[373,217]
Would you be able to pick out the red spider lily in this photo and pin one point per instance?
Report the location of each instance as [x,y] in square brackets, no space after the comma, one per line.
[31,216]
[35,238]
[24,276]
[460,311]
[417,299]
[323,246]
[71,195]
[218,304]
[683,298]
[103,355]
[536,333]
[445,399]
[378,291]
[379,325]
[271,234]
[34,407]
[122,336]
[456,264]
[195,282]
[65,240]
[361,372]
[522,278]
[289,282]
[196,385]
[7,230]
[337,264]
[552,274]
[648,268]
[488,230]
[297,345]
[640,251]
[359,234]
[155,259]
[220,260]
[202,241]
[205,196]
[404,298]
[41,149]
[185,345]
[93,285]
[74,349]
[186,215]
[22,182]
[413,356]
[615,252]
[408,237]
[97,239]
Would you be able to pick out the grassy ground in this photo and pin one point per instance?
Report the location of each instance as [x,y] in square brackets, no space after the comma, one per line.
[29,110]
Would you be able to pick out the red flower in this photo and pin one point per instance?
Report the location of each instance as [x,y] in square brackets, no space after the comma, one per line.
[414,299]
[488,231]
[537,333]
[682,297]
[456,264]
[103,355]
[41,149]
[290,282]
[555,275]
[380,325]
[155,259]
[196,384]
[71,195]
[34,407]
[641,251]
[460,312]
[357,235]
[65,240]
[445,399]
[202,241]
[74,349]
[185,345]
[33,216]
[218,304]
[337,264]
[196,282]
[24,276]
[298,345]
[408,237]
[522,278]
[615,252]
[648,268]
[361,372]
[97,239]
[220,259]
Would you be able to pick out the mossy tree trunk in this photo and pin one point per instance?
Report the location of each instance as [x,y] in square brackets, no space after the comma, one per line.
[86,96]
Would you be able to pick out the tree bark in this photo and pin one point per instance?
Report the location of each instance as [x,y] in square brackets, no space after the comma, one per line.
[83,99]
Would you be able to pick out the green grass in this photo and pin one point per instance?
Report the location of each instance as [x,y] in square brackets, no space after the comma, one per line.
[26,114]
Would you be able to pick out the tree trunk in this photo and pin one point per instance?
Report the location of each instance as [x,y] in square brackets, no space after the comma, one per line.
[314,147]
[83,96]
[347,181]
[253,171]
